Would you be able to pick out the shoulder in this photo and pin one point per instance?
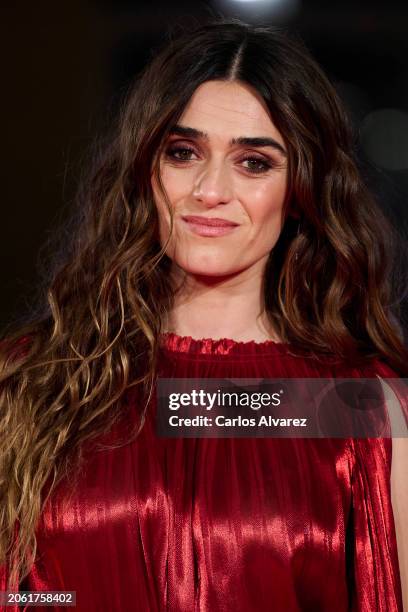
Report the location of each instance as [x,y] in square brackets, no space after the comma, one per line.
[395,389]
[385,454]
[382,369]
[396,397]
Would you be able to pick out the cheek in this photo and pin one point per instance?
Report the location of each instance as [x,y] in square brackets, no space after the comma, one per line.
[265,202]
[172,188]
[175,188]
[176,184]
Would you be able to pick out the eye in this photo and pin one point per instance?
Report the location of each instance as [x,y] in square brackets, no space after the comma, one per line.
[179,153]
[257,165]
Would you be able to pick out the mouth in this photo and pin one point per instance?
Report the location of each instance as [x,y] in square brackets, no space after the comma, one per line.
[210,221]
[209,226]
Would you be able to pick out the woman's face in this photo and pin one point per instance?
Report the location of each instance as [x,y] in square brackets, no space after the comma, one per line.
[224,164]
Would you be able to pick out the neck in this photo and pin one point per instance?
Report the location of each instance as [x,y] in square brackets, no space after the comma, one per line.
[220,307]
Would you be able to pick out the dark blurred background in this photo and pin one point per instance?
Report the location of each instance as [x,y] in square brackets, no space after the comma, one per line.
[66,66]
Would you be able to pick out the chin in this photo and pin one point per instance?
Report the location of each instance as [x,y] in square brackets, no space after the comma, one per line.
[210,269]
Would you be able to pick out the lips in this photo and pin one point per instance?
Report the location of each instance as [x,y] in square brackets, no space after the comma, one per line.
[209,227]
[209,221]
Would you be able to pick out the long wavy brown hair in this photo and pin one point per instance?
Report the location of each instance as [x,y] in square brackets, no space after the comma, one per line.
[328,284]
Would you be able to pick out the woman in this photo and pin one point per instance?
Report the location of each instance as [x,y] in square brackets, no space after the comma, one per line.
[226,233]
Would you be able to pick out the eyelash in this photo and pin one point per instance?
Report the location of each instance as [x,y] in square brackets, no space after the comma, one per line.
[265,163]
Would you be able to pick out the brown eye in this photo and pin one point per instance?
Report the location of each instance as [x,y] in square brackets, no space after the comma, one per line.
[180,153]
[257,165]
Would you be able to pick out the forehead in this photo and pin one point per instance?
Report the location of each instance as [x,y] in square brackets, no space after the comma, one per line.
[229,108]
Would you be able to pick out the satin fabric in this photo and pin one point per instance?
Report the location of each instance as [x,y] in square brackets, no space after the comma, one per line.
[213,525]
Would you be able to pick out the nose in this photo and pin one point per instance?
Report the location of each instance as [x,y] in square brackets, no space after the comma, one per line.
[213,185]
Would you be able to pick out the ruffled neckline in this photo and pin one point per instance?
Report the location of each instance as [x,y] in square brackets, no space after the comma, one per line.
[174,343]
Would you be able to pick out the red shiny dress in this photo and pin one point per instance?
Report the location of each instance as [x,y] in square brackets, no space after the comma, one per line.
[228,524]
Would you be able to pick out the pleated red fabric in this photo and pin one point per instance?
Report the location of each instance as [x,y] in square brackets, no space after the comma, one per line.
[221,524]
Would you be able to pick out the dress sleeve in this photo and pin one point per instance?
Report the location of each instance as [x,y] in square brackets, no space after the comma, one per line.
[376,575]
[377,584]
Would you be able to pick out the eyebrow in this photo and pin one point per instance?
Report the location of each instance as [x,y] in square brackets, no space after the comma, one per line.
[257,141]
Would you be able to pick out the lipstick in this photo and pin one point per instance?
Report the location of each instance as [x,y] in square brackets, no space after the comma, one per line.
[209,226]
